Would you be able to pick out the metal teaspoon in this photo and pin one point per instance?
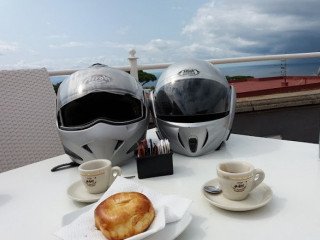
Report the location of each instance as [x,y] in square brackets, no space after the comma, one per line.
[212,189]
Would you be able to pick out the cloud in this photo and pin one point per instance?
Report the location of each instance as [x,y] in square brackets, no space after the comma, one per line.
[158,45]
[71,44]
[154,45]
[6,48]
[202,51]
[154,51]
[246,27]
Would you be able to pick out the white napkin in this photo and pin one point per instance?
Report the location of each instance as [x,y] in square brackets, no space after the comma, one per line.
[169,208]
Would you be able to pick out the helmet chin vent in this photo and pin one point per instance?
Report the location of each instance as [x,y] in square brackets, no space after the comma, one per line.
[118,144]
[133,148]
[193,144]
[86,147]
[179,138]
[205,141]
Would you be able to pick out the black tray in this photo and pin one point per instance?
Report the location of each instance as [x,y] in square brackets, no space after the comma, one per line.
[153,166]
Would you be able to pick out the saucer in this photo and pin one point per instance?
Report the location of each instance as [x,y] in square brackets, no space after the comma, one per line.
[78,192]
[259,197]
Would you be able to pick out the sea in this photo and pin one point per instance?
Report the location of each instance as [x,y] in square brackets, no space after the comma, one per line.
[290,67]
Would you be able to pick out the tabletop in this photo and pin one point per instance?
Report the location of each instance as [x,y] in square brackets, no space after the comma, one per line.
[33,200]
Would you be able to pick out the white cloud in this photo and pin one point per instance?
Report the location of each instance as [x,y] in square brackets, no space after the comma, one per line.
[71,45]
[124,46]
[158,45]
[6,48]
[265,26]
[154,45]
[154,51]
[201,51]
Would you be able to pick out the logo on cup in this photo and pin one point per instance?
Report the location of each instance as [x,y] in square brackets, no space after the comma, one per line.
[91,182]
[239,186]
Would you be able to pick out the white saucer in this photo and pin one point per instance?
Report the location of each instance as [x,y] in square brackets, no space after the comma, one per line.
[259,197]
[78,192]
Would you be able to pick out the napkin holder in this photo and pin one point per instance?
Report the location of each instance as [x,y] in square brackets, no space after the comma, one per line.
[153,166]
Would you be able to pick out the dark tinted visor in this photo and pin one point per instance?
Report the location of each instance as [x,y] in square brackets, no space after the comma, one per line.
[192,100]
[101,107]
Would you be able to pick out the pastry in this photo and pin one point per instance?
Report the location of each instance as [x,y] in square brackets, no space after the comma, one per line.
[124,215]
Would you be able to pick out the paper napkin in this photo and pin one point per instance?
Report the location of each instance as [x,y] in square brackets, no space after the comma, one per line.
[169,208]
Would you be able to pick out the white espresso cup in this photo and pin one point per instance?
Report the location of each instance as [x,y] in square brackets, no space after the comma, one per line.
[97,175]
[237,179]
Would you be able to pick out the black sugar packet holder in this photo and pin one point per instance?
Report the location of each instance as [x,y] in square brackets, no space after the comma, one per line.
[153,163]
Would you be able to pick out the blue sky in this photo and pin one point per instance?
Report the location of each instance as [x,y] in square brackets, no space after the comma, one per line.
[72,34]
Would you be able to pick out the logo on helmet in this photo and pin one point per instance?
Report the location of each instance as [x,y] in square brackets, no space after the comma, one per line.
[98,79]
[189,72]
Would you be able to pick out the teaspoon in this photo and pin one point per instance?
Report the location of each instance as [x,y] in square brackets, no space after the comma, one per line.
[212,189]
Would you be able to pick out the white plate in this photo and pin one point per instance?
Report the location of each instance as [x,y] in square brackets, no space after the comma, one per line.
[170,231]
[78,192]
[259,197]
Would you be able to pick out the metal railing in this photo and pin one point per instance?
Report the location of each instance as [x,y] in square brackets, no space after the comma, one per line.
[134,67]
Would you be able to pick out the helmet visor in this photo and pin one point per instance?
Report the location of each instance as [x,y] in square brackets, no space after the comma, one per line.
[192,100]
[101,107]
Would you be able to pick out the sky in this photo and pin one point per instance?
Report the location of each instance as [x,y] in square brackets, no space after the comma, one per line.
[73,34]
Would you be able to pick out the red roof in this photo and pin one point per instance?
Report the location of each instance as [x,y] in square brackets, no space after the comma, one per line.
[263,86]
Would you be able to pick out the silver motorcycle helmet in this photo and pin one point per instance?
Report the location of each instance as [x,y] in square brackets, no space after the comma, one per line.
[102,112]
[193,106]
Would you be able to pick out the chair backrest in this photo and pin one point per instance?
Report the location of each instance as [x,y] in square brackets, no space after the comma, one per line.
[28,131]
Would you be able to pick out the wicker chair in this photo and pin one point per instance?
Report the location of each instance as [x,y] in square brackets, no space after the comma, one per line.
[28,131]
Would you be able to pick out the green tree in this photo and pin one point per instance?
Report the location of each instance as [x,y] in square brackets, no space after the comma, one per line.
[145,77]
[56,86]
[233,78]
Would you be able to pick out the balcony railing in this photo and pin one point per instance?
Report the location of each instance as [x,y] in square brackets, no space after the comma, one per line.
[134,66]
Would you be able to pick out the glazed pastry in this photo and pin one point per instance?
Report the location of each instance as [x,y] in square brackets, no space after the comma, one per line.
[124,215]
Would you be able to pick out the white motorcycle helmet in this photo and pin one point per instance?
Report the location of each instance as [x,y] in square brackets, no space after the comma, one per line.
[102,112]
[193,106]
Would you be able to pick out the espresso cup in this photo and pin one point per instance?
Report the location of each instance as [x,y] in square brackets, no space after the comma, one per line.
[237,179]
[97,175]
